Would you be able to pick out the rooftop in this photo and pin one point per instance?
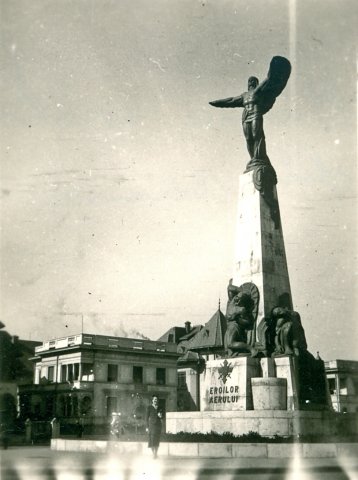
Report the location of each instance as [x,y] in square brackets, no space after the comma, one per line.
[211,336]
[342,365]
[103,341]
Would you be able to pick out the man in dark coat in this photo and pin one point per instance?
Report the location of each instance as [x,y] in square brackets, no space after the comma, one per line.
[154,425]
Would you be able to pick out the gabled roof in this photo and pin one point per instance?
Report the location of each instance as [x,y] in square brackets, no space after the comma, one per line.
[196,329]
[211,336]
[173,335]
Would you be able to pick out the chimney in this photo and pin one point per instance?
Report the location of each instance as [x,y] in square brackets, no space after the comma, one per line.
[14,339]
[187,327]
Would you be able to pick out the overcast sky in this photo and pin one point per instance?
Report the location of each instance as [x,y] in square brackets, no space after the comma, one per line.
[120,182]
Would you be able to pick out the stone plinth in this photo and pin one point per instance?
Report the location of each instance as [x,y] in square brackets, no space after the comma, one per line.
[268,367]
[205,450]
[226,384]
[260,255]
[265,422]
[286,367]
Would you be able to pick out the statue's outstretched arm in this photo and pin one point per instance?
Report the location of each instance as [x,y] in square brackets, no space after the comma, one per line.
[231,102]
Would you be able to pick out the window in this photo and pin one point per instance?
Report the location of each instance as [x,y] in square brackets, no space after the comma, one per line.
[138,374]
[50,374]
[342,382]
[70,373]
[355,386]
[74,405]
[87,372]
[332,385]
[68,406]
[112,375]
[113,342]
[85,405]
[160,376]
[343,386]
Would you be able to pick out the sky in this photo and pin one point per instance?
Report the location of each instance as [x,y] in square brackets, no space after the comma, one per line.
[119,182]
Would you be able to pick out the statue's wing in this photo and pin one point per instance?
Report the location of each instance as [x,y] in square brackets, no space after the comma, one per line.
[277,77]
[250,289]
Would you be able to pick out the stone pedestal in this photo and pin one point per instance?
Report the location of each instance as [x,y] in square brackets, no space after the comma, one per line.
[264,422]
[286,367]
[269,393]
[260,252]
[226,384]
[268,367]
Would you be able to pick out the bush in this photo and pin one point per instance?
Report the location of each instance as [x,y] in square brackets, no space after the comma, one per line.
[226,437]
[253,437]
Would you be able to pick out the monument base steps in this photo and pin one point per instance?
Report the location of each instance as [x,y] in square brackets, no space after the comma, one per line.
[267,423]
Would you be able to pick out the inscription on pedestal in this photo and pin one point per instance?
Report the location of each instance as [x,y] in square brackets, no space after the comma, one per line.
[224,394]
[226,384]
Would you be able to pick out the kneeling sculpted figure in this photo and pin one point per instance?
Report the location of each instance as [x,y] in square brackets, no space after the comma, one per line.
[289,334]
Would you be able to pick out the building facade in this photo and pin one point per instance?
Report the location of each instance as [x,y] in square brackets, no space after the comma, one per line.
[89,377]
[342,376]
[196,345]
[15,370]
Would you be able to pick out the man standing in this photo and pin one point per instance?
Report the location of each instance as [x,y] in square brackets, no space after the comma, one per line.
[154,425]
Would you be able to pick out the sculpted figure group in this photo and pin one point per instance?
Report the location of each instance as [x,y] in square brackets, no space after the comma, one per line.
[289,334]
[280,334]
[240,320]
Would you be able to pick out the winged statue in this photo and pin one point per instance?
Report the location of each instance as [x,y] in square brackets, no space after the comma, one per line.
[257,101]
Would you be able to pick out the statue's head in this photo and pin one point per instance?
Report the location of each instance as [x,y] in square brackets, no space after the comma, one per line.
[296,317]
[278,312]
[252,83]
[243,300]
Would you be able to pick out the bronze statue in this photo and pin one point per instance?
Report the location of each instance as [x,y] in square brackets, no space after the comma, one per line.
[257,101]
[298,334]
[241,313]
[283,331]
[290,336]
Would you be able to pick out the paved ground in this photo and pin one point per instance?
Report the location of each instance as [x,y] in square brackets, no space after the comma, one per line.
[40,463]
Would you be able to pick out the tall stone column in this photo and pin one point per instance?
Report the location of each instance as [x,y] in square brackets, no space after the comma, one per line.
[260,255]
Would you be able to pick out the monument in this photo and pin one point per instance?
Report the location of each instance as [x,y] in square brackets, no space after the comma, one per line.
[267,381]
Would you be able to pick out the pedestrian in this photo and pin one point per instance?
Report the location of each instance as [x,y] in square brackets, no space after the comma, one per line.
[116,427]
[79,429]
[154,425]
[55,428]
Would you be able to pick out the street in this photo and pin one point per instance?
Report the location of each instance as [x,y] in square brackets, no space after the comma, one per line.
[40,463]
